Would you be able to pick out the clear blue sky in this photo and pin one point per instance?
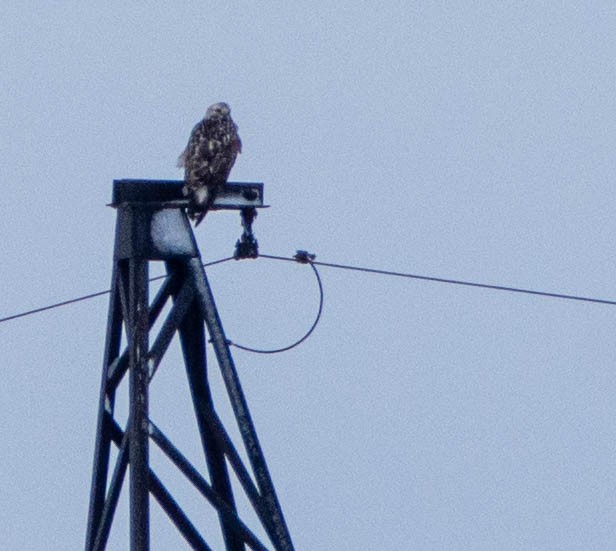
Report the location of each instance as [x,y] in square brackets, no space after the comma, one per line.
[463,140]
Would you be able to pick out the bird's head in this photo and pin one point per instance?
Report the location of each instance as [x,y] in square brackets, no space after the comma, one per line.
[218,111]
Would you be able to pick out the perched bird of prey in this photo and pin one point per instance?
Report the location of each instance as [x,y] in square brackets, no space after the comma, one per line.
[208,158]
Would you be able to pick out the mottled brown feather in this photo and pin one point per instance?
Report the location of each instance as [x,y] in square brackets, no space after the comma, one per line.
[208,158]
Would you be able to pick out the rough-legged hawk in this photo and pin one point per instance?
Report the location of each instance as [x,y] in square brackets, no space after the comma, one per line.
[208,158]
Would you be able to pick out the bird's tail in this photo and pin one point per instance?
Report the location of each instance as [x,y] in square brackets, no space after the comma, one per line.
[198,217]
[201,201]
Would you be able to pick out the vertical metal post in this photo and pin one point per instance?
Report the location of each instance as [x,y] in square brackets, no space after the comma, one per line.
[138,416]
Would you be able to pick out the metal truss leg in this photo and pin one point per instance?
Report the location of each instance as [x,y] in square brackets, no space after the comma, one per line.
[273,519]
[105,407]
[192,338]
[138,329]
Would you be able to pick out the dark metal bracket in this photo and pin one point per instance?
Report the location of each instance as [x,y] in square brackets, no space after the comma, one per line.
[247,246]
[168,193]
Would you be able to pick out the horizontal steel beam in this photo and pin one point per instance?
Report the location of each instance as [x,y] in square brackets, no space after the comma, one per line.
[168,193]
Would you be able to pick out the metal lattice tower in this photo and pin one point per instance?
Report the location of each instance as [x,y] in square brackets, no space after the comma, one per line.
[152,226]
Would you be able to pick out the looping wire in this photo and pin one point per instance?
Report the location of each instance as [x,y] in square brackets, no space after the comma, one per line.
[303,258]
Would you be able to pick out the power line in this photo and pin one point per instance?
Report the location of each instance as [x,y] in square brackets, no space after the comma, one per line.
[87,297]
[450,281]
[352,268]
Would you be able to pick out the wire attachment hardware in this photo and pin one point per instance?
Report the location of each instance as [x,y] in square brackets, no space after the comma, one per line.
[304,257]
[247,246]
